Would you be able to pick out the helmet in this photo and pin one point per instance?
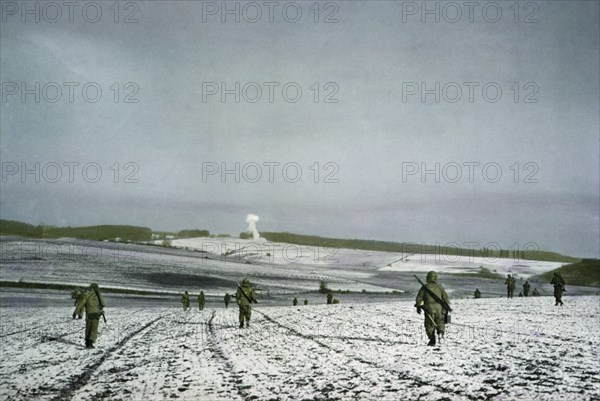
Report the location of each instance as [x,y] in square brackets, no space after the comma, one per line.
[245,282]
[431,277]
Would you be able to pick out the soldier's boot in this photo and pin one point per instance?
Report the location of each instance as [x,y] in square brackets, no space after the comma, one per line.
[431,342]
[241,324]
[247,324]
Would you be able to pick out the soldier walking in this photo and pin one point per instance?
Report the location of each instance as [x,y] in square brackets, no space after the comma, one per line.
[433,300]
[295,301]
[185,300]
[244,297]
[226,300]
[305,301]
[93,303]
[201,300]
[526,288]
[477,293]
[329,298]
[559,288]
[510,286]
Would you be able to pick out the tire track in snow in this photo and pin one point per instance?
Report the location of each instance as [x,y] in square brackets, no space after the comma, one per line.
[226,362]
[403,375]
[82,379]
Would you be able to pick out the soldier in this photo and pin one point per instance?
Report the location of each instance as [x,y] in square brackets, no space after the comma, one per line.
[185,300]
[329,298]
[477,293]
[79,296]
[510,285]
[335,301]
[93,303]
[226,300]
[244,297]
[434,311]
[526,288]
[520,294]
[535,292]
[295,301]
[559,287]
[201,300]
[75,295]
[305,301]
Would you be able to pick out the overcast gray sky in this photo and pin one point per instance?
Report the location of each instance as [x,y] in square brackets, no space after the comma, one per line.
[367,118]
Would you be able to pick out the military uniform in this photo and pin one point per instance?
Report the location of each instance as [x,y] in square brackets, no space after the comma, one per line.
[305,301]
[535,292]
[185,300]
[329,298]
[510,286]
[93,303]
[335,301]
[434,312]
[226,300]
[244,296]
[201,300]
[526,288]
[295,301]
[477,293]
[559,288]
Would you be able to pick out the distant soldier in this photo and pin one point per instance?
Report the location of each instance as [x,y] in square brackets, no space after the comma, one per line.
[244,297]
[93,303]
[535,292]
[185,300]
[329,298]
[526,288]
[226,300]
[510,285]
[477,293]
[295,301]
[521,294]
[559,288]
[201,300]
[435,312]
[79,297]
[305,301]
[335,301]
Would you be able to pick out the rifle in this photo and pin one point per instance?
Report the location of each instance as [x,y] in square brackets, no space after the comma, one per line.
[246,296]
[434,296]
[429,316]
[101,305]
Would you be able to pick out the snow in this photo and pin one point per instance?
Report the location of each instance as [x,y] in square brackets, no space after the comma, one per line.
[497,349]
[289,254]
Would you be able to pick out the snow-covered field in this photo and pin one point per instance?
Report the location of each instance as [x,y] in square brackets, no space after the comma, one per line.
[327,255]
[497,349]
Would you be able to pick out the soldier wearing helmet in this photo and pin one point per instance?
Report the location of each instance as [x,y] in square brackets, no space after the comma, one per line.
[244,297]
[510,286]
[559,288]
[434,311]
[93,304]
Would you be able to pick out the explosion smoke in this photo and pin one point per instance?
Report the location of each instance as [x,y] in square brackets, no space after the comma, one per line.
[251,219]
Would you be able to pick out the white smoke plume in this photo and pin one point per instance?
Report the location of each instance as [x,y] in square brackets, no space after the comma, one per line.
[252,219]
